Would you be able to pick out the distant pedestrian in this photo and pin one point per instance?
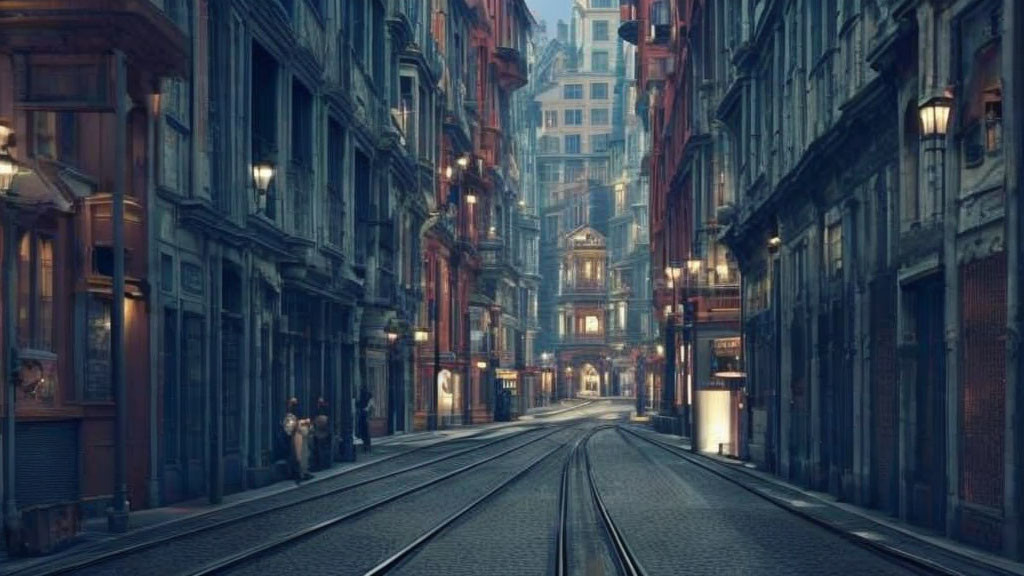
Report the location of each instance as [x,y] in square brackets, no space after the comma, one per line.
[321,437]
[296,431]
[365,405]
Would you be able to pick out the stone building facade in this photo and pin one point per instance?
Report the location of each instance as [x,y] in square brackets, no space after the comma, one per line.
[581,160]
[388,130]
[877,243]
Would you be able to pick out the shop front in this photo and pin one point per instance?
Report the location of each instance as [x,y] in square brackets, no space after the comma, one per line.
[508,394]
[720,396]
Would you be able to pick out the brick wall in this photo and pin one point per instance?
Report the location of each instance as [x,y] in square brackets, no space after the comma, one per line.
[982,393]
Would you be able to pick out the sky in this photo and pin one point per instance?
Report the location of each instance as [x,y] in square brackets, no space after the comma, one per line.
[550,10]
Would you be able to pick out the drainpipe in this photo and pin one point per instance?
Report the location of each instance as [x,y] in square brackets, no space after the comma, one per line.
[155,308]
[1013,147]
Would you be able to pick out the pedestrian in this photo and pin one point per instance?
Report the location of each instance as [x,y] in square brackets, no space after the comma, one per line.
[321,437]
[289,426]
[365,405]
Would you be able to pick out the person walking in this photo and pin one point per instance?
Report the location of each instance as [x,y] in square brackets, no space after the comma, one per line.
[295,433]
[365,405]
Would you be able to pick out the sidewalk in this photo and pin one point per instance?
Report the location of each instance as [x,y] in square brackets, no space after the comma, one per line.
[862,525]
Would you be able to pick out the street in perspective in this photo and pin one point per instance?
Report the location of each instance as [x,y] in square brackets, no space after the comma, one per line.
[566,287]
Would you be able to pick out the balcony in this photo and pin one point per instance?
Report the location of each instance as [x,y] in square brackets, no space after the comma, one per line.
[582,340]
[308,24]
[513,72]
[149,39]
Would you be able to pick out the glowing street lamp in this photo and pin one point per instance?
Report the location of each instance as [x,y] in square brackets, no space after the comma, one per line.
[262,174]
[8,170]
[935,116]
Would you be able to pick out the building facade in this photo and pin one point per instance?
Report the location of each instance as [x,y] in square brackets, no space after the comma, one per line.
[319,196]
[579,93]
[864,176]
[78,117]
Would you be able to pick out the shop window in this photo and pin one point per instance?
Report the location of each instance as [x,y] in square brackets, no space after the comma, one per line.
[97,358]
[35,292]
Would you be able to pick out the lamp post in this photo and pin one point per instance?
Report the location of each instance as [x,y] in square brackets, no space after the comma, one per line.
[8,171]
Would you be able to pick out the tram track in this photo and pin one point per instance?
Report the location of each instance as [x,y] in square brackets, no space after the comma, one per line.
[280,543]
[901,558]
[204,524]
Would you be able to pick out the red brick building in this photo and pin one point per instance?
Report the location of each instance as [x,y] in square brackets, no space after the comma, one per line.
[60,99]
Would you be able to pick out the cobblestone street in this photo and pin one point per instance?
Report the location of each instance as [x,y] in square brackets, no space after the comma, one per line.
[516,499]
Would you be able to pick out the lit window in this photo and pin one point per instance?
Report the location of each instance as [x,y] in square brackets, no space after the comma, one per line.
[593,325]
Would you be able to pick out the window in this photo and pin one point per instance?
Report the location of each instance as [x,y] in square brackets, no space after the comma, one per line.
[548,144]
[56,136]
[547,172]
[572,92]
[599,143]
[592,325]
[600,30]
[335,179]
[378,45]
[599,91]
[834,249]
[572,144]
[599,117]
[302,127]
[35,292]
[588,270]
[97,355]
[601,3]
[359,29]
[573,171]
[574,117]
[551,119]
[599,61]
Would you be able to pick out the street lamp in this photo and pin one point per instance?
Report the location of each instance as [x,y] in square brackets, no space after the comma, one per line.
[935,116]
[262,174]
[8,170]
